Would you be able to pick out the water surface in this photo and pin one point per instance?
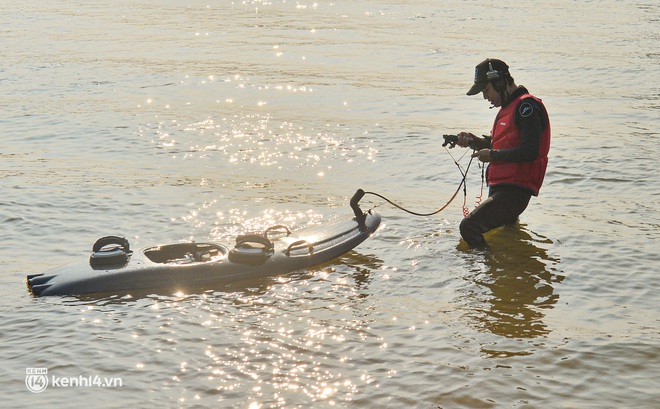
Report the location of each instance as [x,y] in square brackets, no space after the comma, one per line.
[174,121]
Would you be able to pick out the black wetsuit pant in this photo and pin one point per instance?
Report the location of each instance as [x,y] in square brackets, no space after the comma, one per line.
[503,206]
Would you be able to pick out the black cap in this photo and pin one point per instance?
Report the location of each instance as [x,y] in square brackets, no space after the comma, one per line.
[488,70]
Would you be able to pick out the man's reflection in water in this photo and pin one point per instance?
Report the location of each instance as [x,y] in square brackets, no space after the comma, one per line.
[520,277]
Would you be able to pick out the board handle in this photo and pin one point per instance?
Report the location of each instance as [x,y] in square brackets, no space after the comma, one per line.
[355,200]
[282,230]
[299,244]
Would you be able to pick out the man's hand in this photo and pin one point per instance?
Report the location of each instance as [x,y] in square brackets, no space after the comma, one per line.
[483,155]
[466,139]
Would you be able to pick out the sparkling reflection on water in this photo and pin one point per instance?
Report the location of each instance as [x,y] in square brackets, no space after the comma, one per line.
[175,122]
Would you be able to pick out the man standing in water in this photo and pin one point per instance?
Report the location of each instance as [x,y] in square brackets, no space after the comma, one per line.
[517,150]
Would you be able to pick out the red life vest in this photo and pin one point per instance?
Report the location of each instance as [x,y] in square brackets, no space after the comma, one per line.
[506,135]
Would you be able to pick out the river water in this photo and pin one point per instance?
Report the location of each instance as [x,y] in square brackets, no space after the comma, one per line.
[168,121]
